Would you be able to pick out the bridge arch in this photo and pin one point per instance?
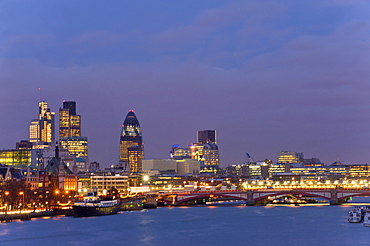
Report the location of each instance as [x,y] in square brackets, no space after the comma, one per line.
[210,195]
[292,192]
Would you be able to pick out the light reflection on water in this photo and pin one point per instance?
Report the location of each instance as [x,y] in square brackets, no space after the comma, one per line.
[198,225]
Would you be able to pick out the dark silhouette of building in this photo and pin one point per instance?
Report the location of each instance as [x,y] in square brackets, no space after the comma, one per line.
[206,136]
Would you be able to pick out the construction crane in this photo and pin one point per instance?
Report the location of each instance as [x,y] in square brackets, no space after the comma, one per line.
[249,159]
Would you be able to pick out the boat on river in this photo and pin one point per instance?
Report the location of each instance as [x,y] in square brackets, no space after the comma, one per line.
[356,215]
[367,216]
[95,206]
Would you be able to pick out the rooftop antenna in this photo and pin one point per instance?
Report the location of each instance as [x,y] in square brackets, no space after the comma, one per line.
[39,94]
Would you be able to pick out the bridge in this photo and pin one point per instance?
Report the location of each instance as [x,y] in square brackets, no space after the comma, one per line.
[255,197]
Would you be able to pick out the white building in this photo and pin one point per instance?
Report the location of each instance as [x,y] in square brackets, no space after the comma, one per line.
[182,167]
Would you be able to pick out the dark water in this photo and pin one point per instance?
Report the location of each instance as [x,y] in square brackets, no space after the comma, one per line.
[207,225]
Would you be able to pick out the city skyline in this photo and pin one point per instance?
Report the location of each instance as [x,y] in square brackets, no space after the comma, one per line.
[267,76]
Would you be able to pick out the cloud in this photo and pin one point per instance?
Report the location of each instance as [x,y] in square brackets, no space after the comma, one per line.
[97,38]
[210,21]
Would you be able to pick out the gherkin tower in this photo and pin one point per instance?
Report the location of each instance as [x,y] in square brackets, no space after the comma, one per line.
[131,144]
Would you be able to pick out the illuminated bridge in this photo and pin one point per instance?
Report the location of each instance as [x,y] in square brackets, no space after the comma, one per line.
[254,197]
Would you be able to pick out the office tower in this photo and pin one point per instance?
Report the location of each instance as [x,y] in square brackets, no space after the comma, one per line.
[70,135]
[206,136]
[41,130]
[76,146]
[131,158]
[206,149]
[69,121]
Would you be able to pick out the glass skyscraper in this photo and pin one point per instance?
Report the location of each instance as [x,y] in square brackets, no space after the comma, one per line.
[70,134]
[42,129]
[69,121]
[206,136]
[131,144]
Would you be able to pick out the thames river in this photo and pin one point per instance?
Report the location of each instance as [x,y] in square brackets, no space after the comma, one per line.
[217,224]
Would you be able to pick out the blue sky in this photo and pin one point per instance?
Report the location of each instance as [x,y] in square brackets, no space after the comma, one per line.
[267,75]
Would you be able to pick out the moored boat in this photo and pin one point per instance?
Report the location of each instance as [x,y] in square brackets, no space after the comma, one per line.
[367,217]
[95,206]
[355,216]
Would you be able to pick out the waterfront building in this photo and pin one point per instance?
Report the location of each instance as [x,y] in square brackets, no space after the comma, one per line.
[103,183]
[41,130]
[359,170]
[131,144]
[69,121]
[290,157]
[318,171]
[171,182]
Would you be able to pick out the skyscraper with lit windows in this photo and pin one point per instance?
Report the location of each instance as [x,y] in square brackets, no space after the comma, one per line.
[41,130]
[70,134]
[206,148]
[69,121]
[131,144]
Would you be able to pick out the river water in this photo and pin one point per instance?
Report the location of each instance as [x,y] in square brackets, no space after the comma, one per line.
[218,224]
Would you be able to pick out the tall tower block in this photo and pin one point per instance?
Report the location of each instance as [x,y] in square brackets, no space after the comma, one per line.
[131,144]
[69,121]
[206,136]
[41,130]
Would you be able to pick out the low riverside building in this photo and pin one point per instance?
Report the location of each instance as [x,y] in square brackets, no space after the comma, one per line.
[103,181]
[167,166]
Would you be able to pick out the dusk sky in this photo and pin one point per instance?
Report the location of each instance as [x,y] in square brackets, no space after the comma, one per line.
[268,76]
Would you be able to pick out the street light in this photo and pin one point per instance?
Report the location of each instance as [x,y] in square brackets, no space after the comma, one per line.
[6,201]
[21,193]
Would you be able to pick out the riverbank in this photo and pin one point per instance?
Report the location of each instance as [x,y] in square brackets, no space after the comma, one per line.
[28,216]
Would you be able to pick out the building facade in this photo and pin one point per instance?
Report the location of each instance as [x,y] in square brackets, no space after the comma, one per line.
[41,130]
[20,158]
[290,157]
[207,136]
[131,144]
[70,135]
[69,121]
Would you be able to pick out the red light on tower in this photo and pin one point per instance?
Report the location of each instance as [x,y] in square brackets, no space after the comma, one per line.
[131,111]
